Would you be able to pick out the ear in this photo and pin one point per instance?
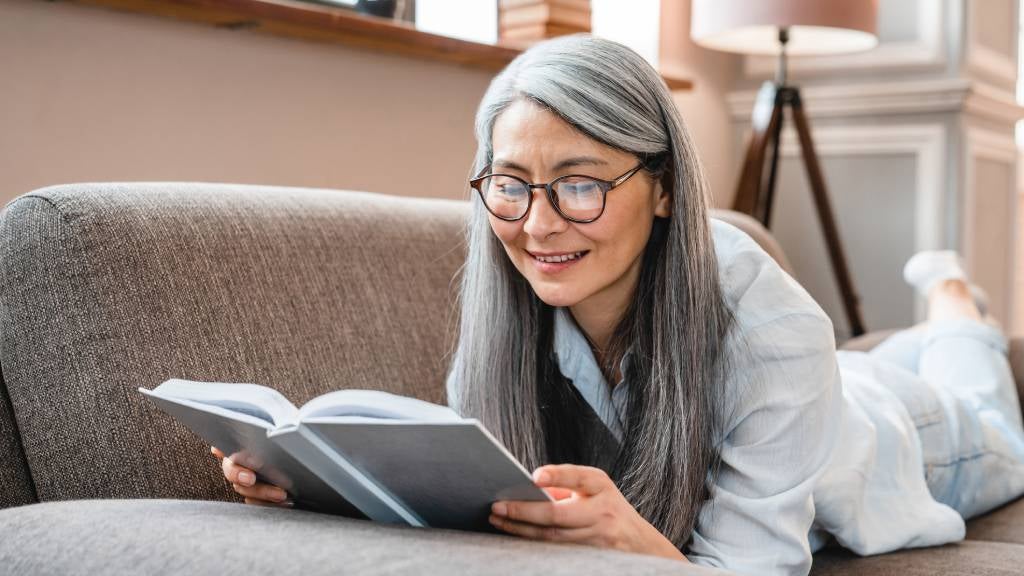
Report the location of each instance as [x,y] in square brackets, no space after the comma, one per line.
[663,201]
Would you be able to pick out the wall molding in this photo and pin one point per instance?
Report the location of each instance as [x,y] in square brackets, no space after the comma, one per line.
[925,53]
[983,60]
[956,95]
[925,142]
[985,144]
[993,103]
[1017,327]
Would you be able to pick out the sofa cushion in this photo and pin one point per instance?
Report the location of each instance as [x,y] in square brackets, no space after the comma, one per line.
[108,287]
[184,537]
[965,558]
[1004,524]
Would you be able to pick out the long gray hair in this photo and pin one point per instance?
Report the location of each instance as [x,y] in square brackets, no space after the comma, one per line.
[677,323]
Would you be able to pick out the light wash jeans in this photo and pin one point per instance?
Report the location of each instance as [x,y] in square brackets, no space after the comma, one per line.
[964,404]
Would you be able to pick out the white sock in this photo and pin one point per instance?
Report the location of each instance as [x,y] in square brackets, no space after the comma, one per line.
[929,267]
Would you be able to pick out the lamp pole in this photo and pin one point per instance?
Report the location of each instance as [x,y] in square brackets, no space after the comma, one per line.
[755,194]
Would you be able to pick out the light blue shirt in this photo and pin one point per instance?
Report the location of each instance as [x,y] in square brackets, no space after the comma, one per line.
[802,456]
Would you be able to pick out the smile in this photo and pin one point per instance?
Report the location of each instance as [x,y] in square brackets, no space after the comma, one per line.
[560,257]
[552,263]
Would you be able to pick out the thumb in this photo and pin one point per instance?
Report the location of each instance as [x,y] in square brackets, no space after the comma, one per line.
[558,493]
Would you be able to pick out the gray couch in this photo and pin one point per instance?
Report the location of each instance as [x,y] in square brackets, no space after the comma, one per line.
[107,287]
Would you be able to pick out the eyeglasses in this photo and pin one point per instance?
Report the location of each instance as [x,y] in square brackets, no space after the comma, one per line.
[575,197]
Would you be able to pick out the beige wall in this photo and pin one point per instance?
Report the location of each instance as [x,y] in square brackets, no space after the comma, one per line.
[92,94]
[99,95]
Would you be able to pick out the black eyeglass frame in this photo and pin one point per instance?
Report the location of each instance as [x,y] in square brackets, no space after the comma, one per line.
[605,185]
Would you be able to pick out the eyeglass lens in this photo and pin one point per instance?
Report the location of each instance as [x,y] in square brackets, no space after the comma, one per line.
[578,197]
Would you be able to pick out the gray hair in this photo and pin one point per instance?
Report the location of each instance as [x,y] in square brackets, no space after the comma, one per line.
[677,323]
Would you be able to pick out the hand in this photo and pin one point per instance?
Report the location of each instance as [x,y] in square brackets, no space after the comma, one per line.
[244,482]
[588,509]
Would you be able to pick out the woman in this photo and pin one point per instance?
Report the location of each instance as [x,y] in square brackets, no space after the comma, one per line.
[673,389]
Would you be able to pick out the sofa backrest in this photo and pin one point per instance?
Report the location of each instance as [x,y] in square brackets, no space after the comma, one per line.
[108,287]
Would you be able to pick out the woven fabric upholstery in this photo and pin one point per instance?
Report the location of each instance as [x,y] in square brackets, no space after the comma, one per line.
[965,558]
[14,474]
[108,287]
[1017,364]
[1004,524]
[158,537]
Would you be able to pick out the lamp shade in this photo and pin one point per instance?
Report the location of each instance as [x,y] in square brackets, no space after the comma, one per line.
[816,27]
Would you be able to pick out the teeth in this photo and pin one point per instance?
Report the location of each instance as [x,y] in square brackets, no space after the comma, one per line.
[562,258]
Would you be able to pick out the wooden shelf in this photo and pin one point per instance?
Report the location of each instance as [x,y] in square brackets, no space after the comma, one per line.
[323,23]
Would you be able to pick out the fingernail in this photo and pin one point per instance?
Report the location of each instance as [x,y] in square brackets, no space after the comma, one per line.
[499,508]
[280,495]
[540,476]
[246,478]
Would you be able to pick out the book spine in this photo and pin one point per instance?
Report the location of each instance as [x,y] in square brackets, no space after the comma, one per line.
[336,471]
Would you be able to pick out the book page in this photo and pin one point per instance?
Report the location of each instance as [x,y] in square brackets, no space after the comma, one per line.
[375,404]
[244,439]
[252,400]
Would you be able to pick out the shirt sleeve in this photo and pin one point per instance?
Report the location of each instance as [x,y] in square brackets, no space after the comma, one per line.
[788,400]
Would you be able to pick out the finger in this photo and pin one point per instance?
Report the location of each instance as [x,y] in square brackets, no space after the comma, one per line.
[566,513]
[584,479]
[534,532]
[558,493]
[216,452]
[258,502]
[237,474]
[261,491]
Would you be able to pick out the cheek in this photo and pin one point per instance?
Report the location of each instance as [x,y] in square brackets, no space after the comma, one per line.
[619,240]
[507,232]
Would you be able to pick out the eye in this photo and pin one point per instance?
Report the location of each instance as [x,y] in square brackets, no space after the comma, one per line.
[505,186]
[579,187]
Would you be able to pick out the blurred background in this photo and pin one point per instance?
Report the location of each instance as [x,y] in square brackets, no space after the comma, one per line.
[916,137]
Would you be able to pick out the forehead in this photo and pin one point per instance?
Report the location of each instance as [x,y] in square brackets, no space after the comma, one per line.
[526,130]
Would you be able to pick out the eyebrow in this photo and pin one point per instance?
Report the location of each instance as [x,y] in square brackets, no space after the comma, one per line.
[567,163]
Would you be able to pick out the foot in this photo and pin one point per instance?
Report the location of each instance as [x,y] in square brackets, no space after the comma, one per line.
[951,298]
[927,268]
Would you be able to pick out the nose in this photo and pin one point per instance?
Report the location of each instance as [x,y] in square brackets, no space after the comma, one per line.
[543,219]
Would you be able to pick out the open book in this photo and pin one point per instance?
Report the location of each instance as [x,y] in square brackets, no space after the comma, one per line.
[359,453]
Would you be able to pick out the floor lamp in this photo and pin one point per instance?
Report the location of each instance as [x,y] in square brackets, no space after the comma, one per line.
[787,28]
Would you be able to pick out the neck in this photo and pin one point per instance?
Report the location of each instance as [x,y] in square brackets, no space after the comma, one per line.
[597,323]
[599,315]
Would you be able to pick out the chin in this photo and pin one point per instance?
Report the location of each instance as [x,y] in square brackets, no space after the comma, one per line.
[562,296]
